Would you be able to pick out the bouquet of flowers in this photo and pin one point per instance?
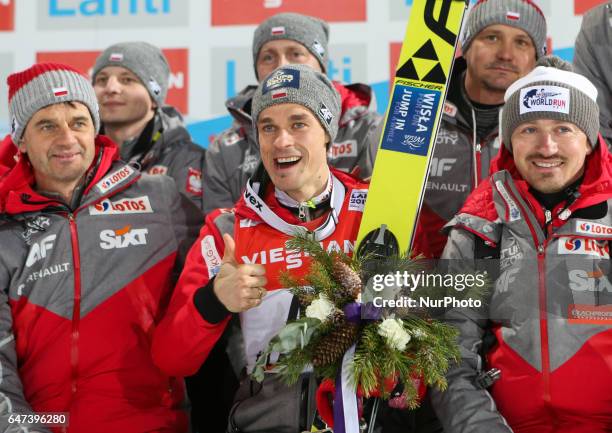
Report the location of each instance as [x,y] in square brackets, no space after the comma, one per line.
[412,351]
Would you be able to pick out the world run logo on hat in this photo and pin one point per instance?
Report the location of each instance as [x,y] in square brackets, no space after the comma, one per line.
[60,91]
[282,78]
[545,98]
[513,16]
[116,57]
[276,31]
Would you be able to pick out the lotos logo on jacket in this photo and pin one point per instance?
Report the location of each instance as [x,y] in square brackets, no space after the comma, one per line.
[210,255]
[123,206]
[123,238]
[584,246]
[589,228]
[115,178]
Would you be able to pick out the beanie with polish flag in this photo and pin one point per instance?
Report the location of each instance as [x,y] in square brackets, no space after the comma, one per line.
[522,14]
[45,84]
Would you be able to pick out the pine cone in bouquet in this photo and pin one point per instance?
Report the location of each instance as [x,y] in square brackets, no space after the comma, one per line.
[333,345]
[305,295]
[348,278]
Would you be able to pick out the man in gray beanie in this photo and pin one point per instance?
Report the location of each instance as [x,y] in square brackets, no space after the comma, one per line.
[545,215]
[131,83]
[91,250]
[295,116]
[501,41]
[289,38]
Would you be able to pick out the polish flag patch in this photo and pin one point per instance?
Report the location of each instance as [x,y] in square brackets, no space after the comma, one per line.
[513,16]
[280,93]
[280,30]
[60,91]
[116,57]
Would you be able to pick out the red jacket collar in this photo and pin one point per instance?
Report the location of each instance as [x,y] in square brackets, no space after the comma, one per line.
[245,212]
[353,96]
[17,178]
[595,187]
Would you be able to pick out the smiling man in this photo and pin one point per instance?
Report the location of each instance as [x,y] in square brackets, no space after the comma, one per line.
[131,81]
[241,252]
[91,249]
[501,42]
[283,39]
[546,214]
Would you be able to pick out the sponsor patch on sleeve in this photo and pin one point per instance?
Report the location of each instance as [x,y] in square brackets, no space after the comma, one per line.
[194,182]
[591,228]
[514,214]
[358,199]
[210,255]
[158,169]
[450,109]
[282,78]
[115,178]
[553,99]
[122,206]
[583,246]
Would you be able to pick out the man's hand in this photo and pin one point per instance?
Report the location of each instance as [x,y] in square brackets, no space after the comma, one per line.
[239,286]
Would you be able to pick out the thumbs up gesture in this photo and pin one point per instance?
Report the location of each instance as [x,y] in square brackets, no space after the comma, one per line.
[239,287]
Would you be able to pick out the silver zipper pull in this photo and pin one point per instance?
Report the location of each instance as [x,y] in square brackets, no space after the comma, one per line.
[547,215]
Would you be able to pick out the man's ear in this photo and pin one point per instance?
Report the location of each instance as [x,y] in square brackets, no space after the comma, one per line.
[21,145]
[327,140]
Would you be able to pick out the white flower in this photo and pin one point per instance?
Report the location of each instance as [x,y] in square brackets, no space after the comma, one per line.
[418,333]
[395,334]
[321,308]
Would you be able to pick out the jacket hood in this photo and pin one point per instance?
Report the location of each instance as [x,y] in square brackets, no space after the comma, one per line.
[596,185]
[243,211]
[17,177]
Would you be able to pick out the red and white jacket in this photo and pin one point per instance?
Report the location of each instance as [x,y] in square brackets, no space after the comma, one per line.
[82,291]
[260,227]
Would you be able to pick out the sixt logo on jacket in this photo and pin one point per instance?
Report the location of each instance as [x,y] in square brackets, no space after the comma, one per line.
[545,98]
[282,78]
[123,238]
[115,178]
[123,206]
[584,246]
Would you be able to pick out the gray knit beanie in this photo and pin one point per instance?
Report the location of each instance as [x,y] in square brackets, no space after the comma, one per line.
[146,61]
[45,84]
[311,32]
[300,84]
[551,91]
[522,14]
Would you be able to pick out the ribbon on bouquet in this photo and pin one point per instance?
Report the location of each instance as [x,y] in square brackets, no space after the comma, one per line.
[346,416]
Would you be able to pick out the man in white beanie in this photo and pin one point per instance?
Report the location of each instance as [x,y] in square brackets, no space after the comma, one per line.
[537,357]
[501,42]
